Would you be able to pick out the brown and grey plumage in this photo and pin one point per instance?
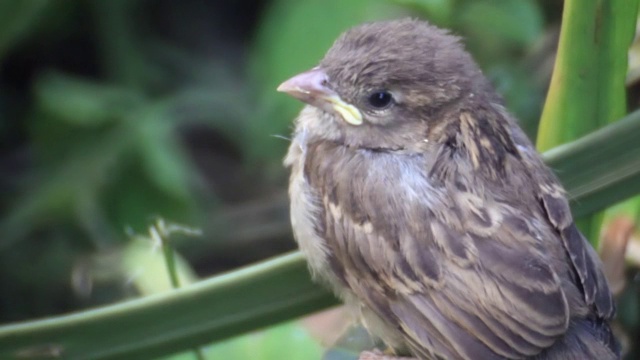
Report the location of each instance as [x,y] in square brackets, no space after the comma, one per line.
[419,200]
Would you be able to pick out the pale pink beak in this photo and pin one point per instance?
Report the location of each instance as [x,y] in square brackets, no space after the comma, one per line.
[309,86]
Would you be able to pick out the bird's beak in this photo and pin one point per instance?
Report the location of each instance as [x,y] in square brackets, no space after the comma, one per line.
[311,87]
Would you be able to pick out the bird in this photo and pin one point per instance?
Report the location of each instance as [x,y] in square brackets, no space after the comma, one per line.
[419,201]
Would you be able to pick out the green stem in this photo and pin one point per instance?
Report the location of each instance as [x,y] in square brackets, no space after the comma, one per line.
[159,233]
[169,259]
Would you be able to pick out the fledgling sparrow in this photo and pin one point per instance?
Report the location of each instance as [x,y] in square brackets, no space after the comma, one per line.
[417,198]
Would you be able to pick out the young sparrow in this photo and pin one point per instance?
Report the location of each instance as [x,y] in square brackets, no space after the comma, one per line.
[417,198]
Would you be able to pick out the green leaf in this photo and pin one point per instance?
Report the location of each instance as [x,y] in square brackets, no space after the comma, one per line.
[438,12]
[588,84]
[602,168]
[269,345]
[17,18]
[109,176]
[120,47]
[519,21]
[210,310]
[161,155]
[133,197]
[587,89]
[82,102]
[67,189]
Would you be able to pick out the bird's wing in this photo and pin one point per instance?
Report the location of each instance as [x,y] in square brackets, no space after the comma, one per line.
[460,294]
[460,278]
[584,260]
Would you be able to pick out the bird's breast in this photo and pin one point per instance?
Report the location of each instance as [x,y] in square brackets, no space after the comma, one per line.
[306,212]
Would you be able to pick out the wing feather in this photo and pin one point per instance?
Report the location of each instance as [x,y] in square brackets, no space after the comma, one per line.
[584,260]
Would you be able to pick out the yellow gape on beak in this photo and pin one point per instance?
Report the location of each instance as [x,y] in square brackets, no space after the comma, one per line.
[349,113]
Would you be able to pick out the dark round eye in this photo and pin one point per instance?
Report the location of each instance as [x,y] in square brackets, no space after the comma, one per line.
[380,99]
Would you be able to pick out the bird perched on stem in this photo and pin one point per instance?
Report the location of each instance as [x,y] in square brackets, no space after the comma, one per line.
[417,198]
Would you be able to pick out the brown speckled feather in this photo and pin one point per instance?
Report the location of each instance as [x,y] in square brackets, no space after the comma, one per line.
[438,219]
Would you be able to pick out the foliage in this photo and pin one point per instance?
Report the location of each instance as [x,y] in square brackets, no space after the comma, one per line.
[587,89]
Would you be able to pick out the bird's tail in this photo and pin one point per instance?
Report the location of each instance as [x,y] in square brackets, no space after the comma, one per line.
[586,339]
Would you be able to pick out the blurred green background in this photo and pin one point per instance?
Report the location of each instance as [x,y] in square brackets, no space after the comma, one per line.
[114,114]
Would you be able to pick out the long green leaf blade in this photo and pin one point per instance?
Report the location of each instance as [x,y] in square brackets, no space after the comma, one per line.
[602,168]
[213,309]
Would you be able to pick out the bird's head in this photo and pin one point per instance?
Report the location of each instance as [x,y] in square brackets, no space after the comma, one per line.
[381,84]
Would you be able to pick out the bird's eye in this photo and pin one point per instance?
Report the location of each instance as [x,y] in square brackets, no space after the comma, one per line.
[380,99]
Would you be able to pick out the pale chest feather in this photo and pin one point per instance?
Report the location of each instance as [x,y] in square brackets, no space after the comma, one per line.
[306,210]
[305,205]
